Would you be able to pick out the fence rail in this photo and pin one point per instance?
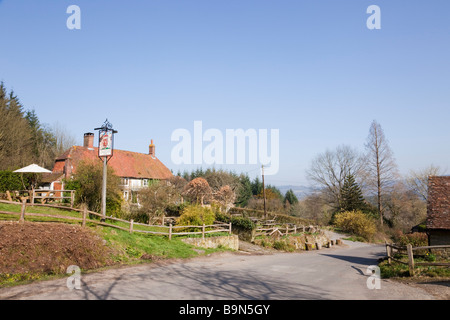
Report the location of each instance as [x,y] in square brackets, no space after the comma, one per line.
[43,194]
[167,230]
[410,249]
[282,229]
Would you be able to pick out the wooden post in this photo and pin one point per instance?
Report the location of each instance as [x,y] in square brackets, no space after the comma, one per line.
[32,196]
[9,195]
[388,252]
[287,229]
[72,198]
[229,228]
[170,232]
[203,232]
[410,259]
[131,225]
[295,228]
[162,222]
[22,210]
[84,215]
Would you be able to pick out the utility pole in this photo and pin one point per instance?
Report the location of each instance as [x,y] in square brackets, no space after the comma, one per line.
[264,193]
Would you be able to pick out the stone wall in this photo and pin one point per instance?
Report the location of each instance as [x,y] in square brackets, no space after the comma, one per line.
[230,242]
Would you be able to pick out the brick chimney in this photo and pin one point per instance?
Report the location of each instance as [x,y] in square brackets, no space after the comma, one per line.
[89,140]
[151,149]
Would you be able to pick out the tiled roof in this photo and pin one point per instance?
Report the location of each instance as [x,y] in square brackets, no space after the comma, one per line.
[438,210]
[125,163]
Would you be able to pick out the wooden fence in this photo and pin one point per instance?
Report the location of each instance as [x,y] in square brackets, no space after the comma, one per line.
[270,227]
[43,194]
[47,195]
[410,252]
[169,231]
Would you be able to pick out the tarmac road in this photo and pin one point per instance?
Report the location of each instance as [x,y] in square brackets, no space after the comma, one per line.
[335,273]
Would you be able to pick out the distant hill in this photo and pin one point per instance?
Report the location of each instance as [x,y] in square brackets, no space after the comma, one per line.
[299,191]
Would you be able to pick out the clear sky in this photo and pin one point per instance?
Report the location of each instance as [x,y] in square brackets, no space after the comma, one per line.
[311,69]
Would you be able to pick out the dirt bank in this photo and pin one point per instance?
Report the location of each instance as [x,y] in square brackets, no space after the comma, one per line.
[48,248]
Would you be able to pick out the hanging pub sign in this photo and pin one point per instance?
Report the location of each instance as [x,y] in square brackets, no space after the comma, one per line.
[106,140]
[105,148]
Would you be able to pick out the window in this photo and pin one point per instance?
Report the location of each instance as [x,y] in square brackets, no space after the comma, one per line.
[125,181]
[145,182]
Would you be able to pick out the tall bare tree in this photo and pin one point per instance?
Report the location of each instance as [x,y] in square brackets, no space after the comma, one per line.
[417,180]
[329,169]
[380,165]
[63,138]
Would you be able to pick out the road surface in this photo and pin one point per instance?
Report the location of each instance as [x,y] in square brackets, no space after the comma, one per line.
[335,273]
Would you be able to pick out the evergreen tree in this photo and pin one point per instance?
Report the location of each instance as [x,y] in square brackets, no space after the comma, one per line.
[351,195]
[245,191]
[256,186]
[290,197]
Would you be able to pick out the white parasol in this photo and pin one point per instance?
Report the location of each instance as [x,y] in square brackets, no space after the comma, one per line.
[32,168]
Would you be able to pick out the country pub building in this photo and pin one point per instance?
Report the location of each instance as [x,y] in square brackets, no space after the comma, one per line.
[136,170]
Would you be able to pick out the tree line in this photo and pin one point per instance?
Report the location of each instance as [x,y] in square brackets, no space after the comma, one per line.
[24,139]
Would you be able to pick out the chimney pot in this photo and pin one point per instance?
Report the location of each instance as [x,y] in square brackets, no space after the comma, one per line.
[89,140]
[151,149]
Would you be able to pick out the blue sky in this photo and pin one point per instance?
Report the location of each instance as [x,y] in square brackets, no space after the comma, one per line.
[311,69]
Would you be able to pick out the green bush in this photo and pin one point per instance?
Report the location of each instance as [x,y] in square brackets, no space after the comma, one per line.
[87,182]
[243,223]
[195,215]
[10,181]
[237,222]
[357,223]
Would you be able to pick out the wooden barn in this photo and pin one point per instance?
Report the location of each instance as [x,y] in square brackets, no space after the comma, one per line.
[438,210]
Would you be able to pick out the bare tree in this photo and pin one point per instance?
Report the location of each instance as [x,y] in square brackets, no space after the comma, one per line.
[225,197]
[380,165]
[417,180]
[63,139]
[329,169]
[156,198]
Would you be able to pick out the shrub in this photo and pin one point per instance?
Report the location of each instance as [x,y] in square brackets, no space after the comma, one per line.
[14,181]
[417,239]
[243,223]
[357,223]
[237,222]
[87,182]
[194,215]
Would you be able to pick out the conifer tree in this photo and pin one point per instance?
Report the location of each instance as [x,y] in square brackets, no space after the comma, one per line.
[351,195]
[290,197]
